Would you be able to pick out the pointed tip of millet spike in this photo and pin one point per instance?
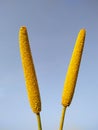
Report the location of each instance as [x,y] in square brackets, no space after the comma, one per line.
[23,28]
[83,30]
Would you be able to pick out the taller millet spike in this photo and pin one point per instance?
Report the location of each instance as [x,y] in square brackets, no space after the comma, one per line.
[29,71]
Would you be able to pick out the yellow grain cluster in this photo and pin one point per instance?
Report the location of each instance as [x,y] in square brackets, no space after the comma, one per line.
[29,71]
[72,73]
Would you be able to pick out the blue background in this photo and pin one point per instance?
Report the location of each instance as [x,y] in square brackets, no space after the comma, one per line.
[52,26]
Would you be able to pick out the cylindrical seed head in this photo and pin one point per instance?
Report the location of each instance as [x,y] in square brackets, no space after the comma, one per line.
[72,73]
[29,71]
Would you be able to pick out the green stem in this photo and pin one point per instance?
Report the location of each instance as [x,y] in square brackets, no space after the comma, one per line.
[39,121]
[62,118]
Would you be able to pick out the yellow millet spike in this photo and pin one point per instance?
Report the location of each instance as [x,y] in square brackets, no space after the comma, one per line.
[72,73]
[29,71]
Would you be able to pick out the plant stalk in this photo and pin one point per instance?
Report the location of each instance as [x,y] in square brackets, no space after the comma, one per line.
[62,118]
[39,121]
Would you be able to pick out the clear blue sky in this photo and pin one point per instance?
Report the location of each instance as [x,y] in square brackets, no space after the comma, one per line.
[52,26]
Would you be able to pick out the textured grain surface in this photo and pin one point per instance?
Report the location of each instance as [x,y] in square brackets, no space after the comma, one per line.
[29,71]
[72,73]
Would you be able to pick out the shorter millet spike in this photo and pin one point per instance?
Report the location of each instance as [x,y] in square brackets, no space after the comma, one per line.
[29,71]
[73,69]
[72,74]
